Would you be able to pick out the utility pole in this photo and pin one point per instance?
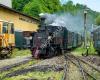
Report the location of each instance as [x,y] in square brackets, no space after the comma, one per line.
[86,46]
[85,29]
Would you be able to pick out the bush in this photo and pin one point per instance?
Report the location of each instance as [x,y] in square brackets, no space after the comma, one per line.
[98,20]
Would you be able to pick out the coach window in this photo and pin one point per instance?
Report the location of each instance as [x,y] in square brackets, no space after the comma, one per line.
[99,35]
[0,27]
[12,28]
[4,29]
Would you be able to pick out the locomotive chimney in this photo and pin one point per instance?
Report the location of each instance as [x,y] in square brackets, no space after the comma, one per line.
[42,19]
[42,22]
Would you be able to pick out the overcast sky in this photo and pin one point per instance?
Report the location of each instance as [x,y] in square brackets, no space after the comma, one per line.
[93,4]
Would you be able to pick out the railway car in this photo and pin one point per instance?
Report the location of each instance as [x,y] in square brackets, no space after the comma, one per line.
[7,38]
[96,39]
[79,40]
[23,39]
[74,40]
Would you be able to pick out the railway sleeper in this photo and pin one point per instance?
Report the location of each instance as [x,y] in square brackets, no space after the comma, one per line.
[73,59]
[41,68]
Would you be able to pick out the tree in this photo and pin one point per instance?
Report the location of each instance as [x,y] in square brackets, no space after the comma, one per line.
[19,4]
[70,7]
[98,20]
[34,7]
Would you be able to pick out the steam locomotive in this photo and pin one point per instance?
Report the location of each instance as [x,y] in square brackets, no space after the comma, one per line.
[51,40]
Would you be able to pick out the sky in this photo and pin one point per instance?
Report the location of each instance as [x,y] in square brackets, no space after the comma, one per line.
[93,4]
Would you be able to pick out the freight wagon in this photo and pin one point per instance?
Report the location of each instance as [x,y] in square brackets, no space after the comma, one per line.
[23,39]
[96,39]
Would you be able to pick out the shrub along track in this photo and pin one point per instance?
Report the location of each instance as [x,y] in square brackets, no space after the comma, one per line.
[84,70]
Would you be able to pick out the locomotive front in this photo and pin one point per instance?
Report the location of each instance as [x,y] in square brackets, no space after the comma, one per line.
[39,40]
[47,43]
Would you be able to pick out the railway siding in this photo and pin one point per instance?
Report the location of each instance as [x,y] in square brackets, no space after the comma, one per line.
[14,61]
[89,71]
[48,66]
[56,65]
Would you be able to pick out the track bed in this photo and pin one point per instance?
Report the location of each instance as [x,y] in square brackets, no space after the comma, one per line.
[56,68]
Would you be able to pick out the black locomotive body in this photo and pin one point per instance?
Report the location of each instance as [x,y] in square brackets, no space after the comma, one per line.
[50,40]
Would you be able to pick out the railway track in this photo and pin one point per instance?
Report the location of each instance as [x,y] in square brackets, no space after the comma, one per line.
[73,66]
[85,70]
[25,68]
[13,63]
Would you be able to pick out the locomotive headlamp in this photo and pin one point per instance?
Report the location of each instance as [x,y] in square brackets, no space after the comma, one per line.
[85,11]
[49,37]
[87,47]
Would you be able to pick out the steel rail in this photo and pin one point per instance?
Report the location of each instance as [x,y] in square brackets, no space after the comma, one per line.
[65,68]
[8,67]
[79,66]
[94,67]
[69,57]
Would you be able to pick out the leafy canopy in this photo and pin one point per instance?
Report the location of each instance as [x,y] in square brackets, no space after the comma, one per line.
[98,20]
[35,7]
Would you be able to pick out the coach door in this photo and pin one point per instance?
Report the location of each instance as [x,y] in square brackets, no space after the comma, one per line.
[0,34]
[11,39]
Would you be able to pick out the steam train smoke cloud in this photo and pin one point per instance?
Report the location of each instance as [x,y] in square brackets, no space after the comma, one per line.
[74,23]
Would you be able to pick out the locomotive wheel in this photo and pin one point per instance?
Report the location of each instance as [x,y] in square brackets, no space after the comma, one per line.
[58,51]
[51,52]
[99,53]
[5,53]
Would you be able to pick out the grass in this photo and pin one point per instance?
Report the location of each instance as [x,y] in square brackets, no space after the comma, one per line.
[23,66]
[32,75]
[16,52]
[38,75]
[81,50]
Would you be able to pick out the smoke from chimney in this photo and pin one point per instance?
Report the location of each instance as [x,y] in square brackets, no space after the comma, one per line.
[74,23]
[6,3]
